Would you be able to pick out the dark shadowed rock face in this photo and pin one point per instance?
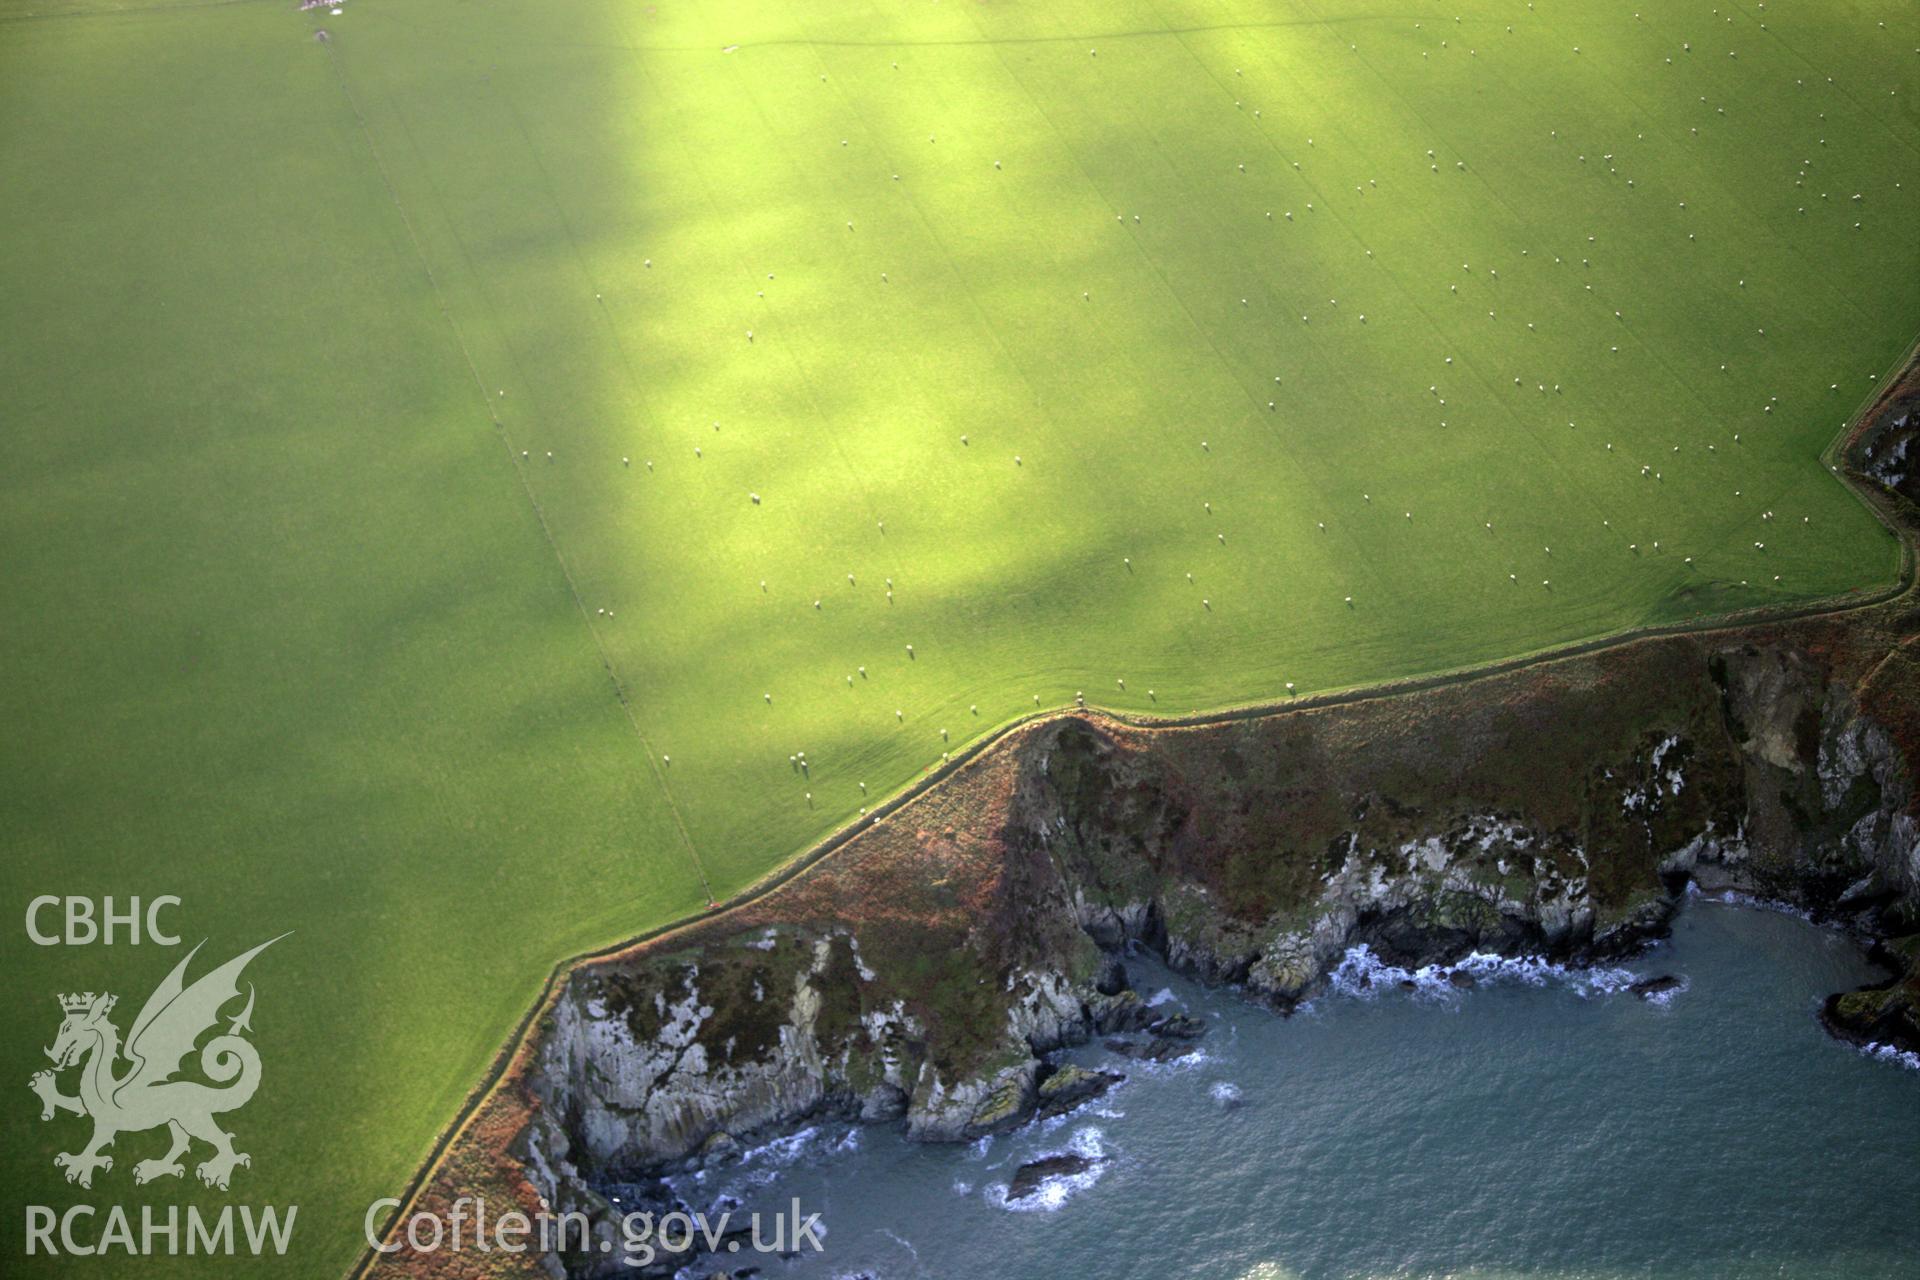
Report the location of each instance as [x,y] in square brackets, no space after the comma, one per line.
[1552,816]
[1887,451]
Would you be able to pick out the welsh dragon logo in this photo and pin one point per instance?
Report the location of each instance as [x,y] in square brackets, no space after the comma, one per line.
[145,1094]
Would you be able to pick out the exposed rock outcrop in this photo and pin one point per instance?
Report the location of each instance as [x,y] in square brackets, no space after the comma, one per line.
[1885,1016]
[1067,1087]
[1030,1178]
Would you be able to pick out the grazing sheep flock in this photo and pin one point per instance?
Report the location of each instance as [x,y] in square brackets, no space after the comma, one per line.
[1634,190]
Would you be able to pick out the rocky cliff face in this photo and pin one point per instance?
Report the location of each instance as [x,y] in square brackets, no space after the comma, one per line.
[1258,856]
[1557,811]
[1885,452]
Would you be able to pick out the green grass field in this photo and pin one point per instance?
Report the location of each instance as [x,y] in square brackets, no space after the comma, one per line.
[369,402]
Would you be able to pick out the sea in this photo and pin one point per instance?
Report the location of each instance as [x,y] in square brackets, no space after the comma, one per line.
[1544,1122]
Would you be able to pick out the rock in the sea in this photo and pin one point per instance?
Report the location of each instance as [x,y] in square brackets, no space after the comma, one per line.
[1158,1049]
[1647,988]
[1033,1175]
[1888,1014]
[1161,1049]
[1178,1026]
[1119,1013]
[1462,979]
[1069,1086]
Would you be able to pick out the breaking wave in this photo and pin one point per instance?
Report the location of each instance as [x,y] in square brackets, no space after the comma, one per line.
[762,1165]
[783,1150]
[1363,975]
[1735,898]
[1194,1056]
[1088,1143]
[1888,1053]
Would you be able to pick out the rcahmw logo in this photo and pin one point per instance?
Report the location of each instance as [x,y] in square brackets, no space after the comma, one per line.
[135,1085]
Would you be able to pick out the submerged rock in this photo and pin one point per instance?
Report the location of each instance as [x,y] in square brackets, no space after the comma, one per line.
[1647,988]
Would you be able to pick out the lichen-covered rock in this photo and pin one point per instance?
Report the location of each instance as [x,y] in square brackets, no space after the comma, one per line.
[974,1107]
[1286,969]
[1888,1014]
[1068,1086]
[1877,1016]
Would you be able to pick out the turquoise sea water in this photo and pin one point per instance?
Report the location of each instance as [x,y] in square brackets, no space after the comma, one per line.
[1542,1124]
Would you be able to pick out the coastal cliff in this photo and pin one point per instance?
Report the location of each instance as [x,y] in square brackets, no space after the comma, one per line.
[924,971]
[1557,814]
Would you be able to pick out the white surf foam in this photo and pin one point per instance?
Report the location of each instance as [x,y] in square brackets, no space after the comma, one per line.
[903,1242]
[1887,1053]
[1055,1192]
[1735,898]
[762,1165]
[1363,975]
[1665,998]
[1194,1056]
[783,1150]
